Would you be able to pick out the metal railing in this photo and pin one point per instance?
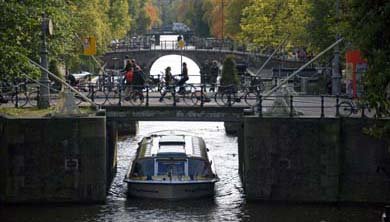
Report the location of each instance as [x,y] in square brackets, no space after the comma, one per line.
[215,45]
[199,95]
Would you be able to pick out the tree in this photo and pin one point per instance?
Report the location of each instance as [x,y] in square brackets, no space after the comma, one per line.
[233,17]
[368,31]
[229,72]
[267,22]
[20,30]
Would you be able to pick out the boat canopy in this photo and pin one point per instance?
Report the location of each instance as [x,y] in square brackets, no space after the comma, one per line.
[172,146]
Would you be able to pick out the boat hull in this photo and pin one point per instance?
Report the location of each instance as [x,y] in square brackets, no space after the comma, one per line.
[171,191]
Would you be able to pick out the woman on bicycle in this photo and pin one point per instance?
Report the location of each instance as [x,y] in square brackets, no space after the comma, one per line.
[168,82]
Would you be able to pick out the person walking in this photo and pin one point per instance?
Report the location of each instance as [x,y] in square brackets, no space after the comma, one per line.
[168,82]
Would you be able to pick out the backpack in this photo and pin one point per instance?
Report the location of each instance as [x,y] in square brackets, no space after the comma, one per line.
[129,76]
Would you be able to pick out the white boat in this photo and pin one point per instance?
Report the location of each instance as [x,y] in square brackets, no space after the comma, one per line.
[171,166]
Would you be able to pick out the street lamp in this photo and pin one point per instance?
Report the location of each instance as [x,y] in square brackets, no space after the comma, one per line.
[44,91]
[336,75]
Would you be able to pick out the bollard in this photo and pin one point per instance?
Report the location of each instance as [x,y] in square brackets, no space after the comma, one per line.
[260,106]
[291,106]
[16,96]
[120,95]
[202,95]
[322,107]
[92,90]
[337,106]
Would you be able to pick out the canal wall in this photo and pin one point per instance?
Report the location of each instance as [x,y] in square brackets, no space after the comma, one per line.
[313,160]
[45,160]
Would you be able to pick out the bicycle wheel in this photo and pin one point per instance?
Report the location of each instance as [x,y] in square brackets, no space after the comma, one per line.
[33,98]
[228,99]
[22,99]
[136,98]
[111,97]
[196,98]
[218,98]
[252,98]
[185,95]
[345,109]
[80,99]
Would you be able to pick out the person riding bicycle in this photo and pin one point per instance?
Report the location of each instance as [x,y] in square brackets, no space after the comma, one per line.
[128,77]
[184,78]
[168,82]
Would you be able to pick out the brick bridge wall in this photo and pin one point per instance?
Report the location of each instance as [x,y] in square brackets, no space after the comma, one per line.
[313,160]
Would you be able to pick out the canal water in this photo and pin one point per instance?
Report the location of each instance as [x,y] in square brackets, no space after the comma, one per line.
[228,204]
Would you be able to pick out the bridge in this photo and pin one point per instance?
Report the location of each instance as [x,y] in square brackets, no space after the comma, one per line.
[201,51]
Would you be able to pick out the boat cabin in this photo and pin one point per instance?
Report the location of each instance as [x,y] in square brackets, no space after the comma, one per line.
[171,157]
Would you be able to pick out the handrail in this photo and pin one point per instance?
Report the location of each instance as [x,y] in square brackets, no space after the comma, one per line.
[302,67]
[64,83]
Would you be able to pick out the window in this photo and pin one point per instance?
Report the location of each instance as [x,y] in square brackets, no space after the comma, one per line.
[199,168]
[143,168]
[174,168]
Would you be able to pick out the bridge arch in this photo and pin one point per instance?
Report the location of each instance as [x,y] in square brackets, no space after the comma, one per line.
[154,59]
[146,57]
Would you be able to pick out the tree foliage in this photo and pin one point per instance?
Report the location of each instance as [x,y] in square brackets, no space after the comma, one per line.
[267,22]
[20,30]
[229,72]
[368,31]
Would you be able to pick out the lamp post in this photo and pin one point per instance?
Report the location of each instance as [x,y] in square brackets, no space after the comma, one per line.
[336,75]
[44,91]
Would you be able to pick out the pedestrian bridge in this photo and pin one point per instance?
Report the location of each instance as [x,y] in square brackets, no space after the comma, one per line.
[201,54]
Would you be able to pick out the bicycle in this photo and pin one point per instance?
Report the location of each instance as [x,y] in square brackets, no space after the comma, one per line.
[180,93]
[201,95]
[347,108]
[230,94]
[135,96]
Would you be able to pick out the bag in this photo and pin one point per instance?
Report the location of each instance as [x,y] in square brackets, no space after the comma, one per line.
[129,76]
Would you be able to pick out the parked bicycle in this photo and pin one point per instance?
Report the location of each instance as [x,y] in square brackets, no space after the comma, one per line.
[230,94]
[349,107]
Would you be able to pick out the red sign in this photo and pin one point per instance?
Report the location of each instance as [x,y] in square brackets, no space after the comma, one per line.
[356,66]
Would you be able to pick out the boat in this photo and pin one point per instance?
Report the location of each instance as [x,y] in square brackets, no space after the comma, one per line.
[171,165]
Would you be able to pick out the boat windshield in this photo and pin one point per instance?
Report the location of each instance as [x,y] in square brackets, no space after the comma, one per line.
[199,168]
[143,167]
[174,168]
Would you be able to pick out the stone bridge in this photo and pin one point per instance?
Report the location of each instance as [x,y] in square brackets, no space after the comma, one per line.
[202,57]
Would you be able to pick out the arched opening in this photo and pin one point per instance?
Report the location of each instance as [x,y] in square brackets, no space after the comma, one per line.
[174,61]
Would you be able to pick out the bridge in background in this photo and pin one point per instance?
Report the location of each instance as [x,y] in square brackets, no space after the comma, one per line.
[201,51]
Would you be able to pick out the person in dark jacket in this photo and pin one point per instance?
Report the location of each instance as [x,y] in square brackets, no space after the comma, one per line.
[184,78]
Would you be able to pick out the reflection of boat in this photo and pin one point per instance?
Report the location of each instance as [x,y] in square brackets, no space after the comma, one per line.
[171,166]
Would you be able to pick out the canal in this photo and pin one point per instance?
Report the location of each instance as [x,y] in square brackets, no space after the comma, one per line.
[228,204]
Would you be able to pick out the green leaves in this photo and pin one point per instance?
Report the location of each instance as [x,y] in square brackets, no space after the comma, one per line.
[20,29]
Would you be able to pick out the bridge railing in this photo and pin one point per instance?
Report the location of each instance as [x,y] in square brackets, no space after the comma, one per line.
[199,95]
[197,44]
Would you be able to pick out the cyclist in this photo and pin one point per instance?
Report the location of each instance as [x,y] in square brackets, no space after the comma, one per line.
[128,77]
[184,78]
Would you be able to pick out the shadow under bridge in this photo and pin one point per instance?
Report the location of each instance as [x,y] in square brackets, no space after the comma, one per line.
[209,114]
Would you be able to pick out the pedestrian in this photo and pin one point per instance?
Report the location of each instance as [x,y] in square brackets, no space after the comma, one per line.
[168,82]
[214,70]
[128,77]
[184,78]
